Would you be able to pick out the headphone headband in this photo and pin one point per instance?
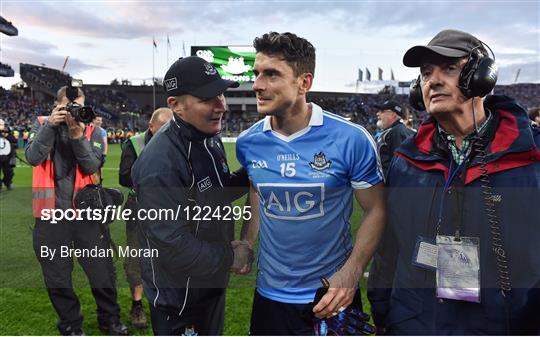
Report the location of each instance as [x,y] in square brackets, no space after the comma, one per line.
[477,78]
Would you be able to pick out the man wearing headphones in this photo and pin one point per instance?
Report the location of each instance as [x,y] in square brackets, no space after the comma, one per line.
[459,252]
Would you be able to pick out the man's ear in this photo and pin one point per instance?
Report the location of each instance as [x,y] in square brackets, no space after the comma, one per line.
[172,102]
[176,104]
[305,81]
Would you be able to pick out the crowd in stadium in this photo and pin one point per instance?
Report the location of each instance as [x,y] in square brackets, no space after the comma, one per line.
[359,108]
[112,100]
[19,111]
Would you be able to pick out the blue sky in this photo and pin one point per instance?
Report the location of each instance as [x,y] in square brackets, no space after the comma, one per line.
[113,39]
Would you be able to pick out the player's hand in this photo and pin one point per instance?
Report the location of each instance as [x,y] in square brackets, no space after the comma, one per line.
[340,294]
[58,115]
[76,128]
[243,257]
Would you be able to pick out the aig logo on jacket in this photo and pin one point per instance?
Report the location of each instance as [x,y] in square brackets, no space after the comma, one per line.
[204,184]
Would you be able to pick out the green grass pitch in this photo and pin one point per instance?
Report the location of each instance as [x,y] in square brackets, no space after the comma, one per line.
[25,308]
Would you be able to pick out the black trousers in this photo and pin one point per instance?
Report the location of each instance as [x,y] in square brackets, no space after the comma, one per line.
[205,318]
[132,265]
[57,271]
[7,171]
[272,318]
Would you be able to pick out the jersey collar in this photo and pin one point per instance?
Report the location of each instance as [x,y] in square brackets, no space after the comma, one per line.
[315,120]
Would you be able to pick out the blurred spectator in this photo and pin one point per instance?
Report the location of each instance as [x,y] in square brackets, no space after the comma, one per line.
[534,116]
[98,122]
[390,116]
[7,154]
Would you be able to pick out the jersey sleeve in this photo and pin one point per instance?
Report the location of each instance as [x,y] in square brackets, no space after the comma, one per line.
[364,162]
[241,149]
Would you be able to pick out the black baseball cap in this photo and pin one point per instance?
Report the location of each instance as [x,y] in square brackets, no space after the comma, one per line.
[194,76]
[449,42]
[391,105]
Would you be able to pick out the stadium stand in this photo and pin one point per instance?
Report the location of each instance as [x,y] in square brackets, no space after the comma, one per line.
[528,94]
[121,112]
[8,28]
[6,70]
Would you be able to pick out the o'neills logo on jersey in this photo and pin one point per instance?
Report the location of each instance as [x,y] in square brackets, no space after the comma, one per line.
[171,84]
[320,162]
[204,184]
[288,156]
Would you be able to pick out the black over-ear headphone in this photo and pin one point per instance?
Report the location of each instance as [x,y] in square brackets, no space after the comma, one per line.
[477,78]
[415,95]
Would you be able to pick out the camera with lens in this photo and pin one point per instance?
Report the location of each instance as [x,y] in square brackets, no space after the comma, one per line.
[81,113]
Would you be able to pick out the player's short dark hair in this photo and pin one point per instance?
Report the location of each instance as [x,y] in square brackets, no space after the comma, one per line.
[298,52]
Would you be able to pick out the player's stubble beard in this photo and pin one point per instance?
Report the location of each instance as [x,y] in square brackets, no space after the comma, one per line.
[273,112]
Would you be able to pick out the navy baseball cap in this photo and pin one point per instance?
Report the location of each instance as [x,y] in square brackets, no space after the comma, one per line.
[192,75]
[449,43]
[393,106]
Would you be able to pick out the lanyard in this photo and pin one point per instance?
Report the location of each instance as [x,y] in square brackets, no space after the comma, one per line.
[452,173]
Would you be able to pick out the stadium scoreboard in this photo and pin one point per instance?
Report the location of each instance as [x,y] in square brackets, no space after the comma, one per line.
[233,63]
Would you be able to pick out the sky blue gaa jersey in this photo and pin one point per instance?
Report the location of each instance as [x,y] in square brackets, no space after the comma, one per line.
[305,183]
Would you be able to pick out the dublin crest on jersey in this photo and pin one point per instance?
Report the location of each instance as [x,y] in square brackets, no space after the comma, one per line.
[320,162]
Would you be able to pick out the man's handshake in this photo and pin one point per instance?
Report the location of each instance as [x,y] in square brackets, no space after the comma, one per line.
[243,257]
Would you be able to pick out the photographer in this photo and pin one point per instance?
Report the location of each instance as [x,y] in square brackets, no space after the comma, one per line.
[8,146]
[65,152]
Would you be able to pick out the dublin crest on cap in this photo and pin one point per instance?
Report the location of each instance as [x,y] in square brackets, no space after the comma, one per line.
[194,76]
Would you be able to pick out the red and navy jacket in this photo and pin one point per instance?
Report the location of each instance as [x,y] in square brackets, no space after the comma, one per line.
[421,201]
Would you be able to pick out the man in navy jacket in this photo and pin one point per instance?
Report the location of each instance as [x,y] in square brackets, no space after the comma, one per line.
[184,165]
[471,174]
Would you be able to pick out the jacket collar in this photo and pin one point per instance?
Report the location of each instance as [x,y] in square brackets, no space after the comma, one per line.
[511,143]
[186,130]
[396,123]
[508,132]
[147,136]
